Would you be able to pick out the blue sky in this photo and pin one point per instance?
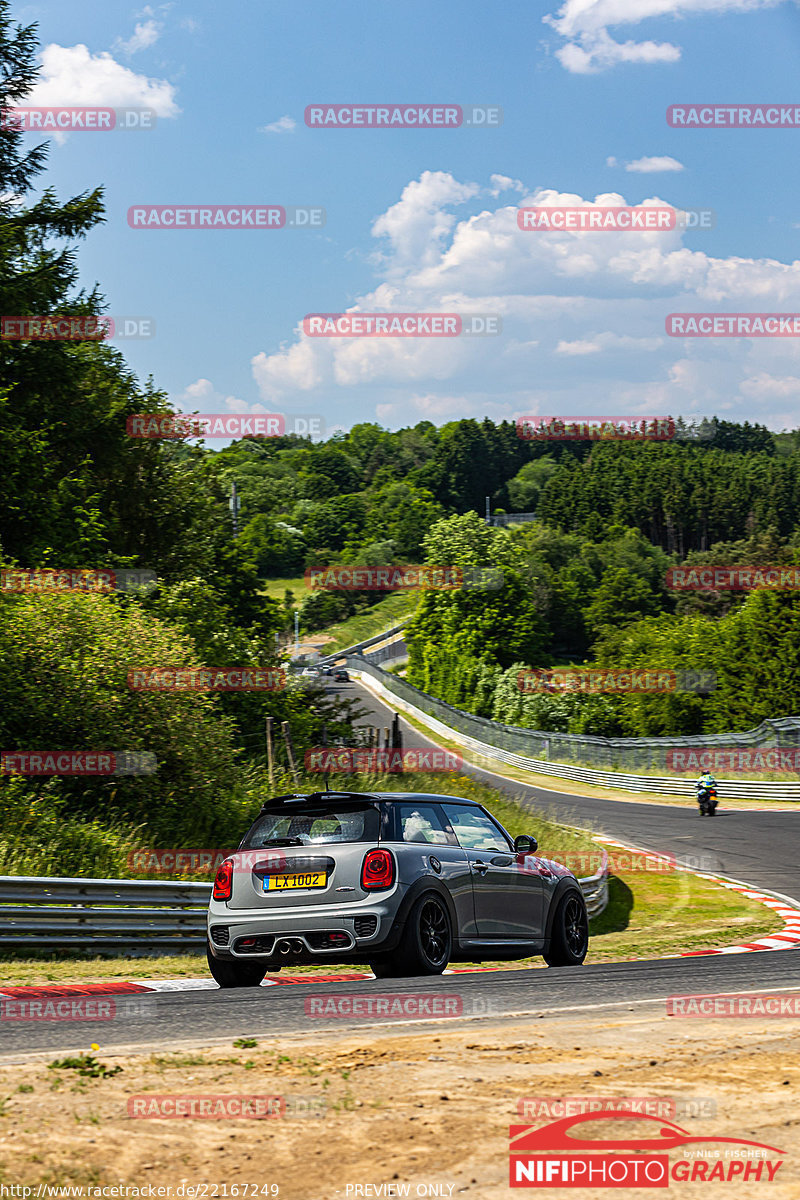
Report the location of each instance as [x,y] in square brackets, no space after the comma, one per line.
[425,220]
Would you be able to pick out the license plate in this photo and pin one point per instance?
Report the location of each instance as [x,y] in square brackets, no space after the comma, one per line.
[285,883]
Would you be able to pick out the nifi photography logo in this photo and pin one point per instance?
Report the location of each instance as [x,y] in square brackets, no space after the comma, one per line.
[556,1156]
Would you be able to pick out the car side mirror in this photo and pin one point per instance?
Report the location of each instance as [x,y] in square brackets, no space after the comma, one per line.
[526,843]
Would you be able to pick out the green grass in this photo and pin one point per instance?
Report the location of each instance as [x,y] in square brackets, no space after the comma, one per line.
[673,912]
[387,612]
[274,588]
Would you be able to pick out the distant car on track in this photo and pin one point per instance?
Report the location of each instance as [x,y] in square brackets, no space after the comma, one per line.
[341,677]
[406,882]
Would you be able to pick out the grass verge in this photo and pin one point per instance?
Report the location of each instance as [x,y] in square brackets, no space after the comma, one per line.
[374,620]
[275,588]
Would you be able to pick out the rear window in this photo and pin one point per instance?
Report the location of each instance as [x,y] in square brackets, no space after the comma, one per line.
[314,825]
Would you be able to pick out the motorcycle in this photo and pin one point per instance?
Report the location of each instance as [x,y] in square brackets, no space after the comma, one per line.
[707,800]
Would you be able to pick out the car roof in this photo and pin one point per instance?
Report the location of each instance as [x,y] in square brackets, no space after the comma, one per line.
[383,796]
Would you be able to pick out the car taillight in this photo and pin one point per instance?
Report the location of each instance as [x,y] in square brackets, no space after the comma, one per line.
[223,880]
[377,870]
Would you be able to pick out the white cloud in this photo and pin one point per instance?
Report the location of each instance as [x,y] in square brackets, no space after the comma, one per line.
[504,183]
[599,52]
[583,314]
[417,225]
[764,385]
[72,76]
[145,34]
[282,125]
[653,165]
[432,406]
[203,396]
[607,341]
[292,369]
[589,47]
[611,161]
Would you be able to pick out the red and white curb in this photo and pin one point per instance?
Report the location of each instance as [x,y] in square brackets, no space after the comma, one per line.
[784,939]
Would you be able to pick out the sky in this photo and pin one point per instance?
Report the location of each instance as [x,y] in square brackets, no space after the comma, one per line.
[425,220]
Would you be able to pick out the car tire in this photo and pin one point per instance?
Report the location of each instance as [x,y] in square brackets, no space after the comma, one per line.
[569,940]
[382,968]
[237,973]
[425,944]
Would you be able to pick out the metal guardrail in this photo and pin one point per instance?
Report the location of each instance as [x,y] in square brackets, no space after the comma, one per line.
[329,659]
[507,742]
[134,916]
[503,519]
[595,889]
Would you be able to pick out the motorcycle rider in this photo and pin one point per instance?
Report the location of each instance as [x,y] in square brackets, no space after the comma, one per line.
[706,783]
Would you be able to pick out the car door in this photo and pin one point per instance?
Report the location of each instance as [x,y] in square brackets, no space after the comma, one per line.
[424,839]
[507,888]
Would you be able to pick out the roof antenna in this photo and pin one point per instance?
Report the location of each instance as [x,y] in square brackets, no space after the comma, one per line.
[325,746]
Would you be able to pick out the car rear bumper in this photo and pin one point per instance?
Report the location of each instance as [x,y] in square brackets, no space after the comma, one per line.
[315,933]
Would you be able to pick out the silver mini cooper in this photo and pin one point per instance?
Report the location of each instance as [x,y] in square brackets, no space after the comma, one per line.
[406,882]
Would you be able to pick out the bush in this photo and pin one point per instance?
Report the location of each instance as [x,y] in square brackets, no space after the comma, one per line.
[64,662]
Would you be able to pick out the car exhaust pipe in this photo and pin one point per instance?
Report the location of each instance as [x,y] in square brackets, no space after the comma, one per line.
[288,946]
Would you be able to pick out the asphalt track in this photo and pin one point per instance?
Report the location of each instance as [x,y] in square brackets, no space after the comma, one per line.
[759,847]
[167,1021]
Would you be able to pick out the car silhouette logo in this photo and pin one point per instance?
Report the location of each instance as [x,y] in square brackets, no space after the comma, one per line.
[526,1139]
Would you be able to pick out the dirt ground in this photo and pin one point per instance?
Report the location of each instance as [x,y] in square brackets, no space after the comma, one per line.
[429,1107]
